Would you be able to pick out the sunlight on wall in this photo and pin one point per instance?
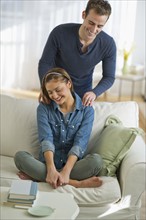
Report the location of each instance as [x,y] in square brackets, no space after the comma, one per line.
[12,50]
[24,32]
[123,21]
[127,25]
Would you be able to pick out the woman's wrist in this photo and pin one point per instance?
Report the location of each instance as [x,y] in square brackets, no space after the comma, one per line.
[66,170]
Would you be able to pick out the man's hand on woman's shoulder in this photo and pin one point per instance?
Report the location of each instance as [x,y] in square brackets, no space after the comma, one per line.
[88,98]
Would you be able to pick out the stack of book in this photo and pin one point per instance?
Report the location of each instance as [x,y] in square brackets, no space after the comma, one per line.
[22,193]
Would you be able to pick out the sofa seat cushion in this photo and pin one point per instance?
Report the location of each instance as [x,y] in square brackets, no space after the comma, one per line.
[106,194]
[109,192]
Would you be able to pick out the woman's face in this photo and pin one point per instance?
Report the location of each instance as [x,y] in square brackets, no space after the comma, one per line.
[58,91]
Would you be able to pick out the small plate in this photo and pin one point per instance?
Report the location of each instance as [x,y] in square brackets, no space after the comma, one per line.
[40,211]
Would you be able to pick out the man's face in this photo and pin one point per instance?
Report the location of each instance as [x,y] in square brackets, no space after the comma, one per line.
[92,24]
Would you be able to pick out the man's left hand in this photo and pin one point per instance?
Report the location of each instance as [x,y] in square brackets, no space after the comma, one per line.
[88,98]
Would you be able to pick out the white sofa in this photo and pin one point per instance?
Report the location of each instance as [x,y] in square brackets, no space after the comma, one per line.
[118,198]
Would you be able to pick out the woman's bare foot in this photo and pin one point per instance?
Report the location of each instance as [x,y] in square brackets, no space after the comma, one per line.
[24,176]
[87,183]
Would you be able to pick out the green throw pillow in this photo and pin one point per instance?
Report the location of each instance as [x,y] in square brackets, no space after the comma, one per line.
[113,143]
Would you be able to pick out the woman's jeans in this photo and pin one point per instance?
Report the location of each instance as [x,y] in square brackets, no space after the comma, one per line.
[87,167]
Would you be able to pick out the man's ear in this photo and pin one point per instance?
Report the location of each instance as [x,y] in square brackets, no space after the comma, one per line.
[83,14]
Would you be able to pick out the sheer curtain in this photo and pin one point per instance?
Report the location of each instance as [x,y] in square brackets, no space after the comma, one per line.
[27,24]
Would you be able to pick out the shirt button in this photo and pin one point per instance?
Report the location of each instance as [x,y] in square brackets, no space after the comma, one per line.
[73,126]
[63,130]
[62,141]
[56,125]
[61,160]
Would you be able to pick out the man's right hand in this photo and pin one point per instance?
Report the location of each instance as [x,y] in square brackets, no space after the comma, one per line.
[43,99]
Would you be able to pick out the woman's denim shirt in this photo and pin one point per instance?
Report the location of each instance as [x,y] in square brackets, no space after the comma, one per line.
[64,137]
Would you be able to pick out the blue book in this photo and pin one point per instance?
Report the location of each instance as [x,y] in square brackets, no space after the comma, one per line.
[23,190]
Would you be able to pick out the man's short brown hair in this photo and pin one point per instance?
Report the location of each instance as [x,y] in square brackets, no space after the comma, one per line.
[101,7]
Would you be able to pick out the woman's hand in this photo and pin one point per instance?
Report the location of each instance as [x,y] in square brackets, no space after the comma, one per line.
[64,177]
[53,177]
[65,172]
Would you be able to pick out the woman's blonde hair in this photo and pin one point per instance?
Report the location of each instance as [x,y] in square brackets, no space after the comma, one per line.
[58,74]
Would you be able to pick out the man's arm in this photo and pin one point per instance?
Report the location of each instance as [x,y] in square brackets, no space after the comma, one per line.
[108,70]
[47,60]
[104,84]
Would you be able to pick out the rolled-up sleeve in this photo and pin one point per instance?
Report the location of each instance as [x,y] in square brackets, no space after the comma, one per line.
[47,145]
[44,129]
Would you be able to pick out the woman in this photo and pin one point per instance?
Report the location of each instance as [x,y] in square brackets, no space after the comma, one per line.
[64,127]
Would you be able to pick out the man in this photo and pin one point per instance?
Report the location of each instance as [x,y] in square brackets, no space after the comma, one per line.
[78,48]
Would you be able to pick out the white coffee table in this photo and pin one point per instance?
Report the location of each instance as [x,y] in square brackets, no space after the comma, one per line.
[63,203]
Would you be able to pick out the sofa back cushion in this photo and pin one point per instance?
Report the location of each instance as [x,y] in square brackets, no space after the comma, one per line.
[19,123]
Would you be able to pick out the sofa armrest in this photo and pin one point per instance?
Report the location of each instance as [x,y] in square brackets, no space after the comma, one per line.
[132,173]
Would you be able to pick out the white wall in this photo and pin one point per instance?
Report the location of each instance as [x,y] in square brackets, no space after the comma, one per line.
[140,36]
[137,58]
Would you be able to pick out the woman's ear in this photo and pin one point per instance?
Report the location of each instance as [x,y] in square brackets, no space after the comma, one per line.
[69,85]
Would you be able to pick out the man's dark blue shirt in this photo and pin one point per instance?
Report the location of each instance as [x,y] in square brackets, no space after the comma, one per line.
[63,49]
